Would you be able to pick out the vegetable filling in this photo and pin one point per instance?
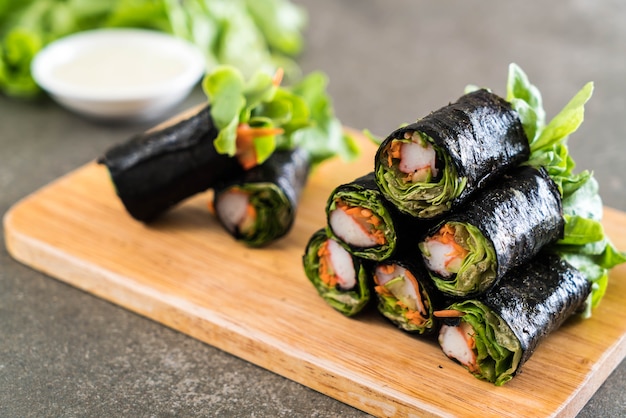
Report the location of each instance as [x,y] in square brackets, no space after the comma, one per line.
[336,268]
[417,176]
[401,297]
[356,225]
[481,341]
[417,159]
[236,211]
[254,213]
[460,259]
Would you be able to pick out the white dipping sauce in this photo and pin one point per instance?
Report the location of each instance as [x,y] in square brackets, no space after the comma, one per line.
[119,73]
[118,68]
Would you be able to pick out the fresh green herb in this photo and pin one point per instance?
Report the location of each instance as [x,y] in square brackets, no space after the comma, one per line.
[584,244]
[255,117]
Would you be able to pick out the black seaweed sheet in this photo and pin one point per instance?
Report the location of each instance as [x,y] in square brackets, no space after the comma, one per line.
[285,171]
[519,214]
[480,132]
[537,297]
[155,170]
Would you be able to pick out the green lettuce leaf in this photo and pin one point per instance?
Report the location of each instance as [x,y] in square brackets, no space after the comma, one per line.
[498,350]
[324,138]
[478,270]
[281,22]
[302,113]
[17,51]
[584,244]
[348,302]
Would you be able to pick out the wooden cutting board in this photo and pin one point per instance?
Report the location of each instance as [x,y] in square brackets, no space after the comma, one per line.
[188,274]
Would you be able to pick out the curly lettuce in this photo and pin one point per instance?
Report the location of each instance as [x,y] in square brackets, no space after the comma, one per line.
[584,244]
[277,117]
[498,351]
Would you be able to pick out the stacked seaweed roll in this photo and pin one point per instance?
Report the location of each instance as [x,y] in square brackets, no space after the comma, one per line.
[473,227]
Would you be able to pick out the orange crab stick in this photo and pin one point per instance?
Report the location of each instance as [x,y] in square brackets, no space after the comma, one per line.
[446,254]
[367,222]
[458,342]
[336,267]
[394,281]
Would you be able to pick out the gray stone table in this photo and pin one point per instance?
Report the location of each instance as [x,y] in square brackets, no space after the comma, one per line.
[66,353]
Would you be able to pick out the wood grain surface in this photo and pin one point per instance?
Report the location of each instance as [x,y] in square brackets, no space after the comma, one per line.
[185,272]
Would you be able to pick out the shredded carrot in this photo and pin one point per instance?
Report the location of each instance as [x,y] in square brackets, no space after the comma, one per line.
[367,220]
[415,317]
[386,268]
[326,272]
[448,313]
[246,154]
[278,76]
[465,328]
[382,290]
[248,133]
[394,151]
[445,235]
[248,222]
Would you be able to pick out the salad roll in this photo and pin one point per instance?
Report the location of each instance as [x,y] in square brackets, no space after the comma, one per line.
[494,335]
[155,170]
[430,166]
[259,206]
[362,220]
[340,278]
[406,296]
[505,225]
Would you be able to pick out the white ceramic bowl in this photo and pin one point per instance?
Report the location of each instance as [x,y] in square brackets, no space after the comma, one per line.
[119,73]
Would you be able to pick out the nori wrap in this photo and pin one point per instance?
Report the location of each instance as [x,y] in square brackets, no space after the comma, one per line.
[505,225]
[502,328]
[259,206]
[430,166]
[340,278]
[366,224]
[406,295]
[157,169]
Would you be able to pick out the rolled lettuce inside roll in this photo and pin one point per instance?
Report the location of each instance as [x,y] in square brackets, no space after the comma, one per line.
[405,296]
[480,341]
[495,334]
[430,166]
[360,218]
[419,174]
[340,278]
[503,226]
[254,213]
[461,259]
[259,206]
